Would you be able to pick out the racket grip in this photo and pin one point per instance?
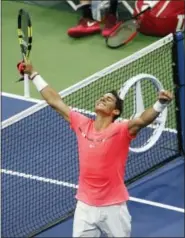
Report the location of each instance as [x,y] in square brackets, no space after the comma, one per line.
[26,86]
[20,80]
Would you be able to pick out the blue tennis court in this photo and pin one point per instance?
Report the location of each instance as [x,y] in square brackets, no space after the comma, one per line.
[156,205]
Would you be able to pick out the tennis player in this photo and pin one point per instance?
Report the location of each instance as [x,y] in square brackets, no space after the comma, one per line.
[103,149]
[88,26]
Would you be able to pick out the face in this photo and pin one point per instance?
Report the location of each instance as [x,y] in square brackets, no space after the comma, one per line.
[107,105]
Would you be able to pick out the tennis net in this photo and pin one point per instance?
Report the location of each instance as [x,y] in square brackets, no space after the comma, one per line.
[40,157]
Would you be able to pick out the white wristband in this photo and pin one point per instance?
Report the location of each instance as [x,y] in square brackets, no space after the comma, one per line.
[39,82]
[159,107]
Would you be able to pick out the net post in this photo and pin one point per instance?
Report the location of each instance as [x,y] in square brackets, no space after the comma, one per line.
[179,81]
[26,86]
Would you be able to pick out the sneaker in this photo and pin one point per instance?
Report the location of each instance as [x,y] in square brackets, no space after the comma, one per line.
[85,27]
[111,24]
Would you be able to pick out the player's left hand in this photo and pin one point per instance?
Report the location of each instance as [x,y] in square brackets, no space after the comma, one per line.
[165,96]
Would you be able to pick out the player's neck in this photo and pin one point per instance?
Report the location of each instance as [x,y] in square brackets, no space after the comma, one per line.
[102,122]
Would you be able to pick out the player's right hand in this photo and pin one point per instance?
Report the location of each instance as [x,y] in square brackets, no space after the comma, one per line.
[25,68]
[20,68]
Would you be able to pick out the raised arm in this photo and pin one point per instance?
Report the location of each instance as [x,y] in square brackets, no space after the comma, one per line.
[150,114]
[48,93]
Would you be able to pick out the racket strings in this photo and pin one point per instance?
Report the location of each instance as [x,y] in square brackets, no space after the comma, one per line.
[24,33]
[24,27]
[124,33]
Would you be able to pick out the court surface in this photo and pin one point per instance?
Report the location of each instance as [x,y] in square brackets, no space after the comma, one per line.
[157,201]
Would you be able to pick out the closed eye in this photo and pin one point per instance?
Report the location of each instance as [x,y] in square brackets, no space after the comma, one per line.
[110,99]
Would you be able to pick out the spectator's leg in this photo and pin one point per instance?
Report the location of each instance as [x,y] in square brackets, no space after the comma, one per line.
[86,10]
[111,22]
[113,7]
[86,25]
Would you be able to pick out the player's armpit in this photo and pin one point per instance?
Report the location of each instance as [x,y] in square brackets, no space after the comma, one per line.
[145,119]
[134,126]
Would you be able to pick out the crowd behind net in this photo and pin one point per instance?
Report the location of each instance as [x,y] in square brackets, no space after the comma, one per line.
[40,157]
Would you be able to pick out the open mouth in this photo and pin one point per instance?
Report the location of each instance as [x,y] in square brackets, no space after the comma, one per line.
[101,104]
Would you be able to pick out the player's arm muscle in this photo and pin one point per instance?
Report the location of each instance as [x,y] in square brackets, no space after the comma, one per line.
[48,93]
[150,114]
[145,119]
[55,101]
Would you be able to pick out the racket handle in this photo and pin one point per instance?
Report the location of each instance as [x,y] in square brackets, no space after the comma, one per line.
[26,86]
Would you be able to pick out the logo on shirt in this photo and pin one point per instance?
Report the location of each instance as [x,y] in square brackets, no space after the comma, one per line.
[91,146]
[96,140]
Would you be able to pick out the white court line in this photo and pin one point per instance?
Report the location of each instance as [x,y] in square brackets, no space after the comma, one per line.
[157,204]
[16,96]
[70,185]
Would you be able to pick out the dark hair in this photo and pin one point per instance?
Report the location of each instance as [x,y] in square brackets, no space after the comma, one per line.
[119,103]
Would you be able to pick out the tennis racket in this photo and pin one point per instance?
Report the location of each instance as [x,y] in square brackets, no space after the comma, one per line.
[24,30]
[125,32]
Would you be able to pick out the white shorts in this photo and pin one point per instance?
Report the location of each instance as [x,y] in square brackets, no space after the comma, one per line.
[90,221]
